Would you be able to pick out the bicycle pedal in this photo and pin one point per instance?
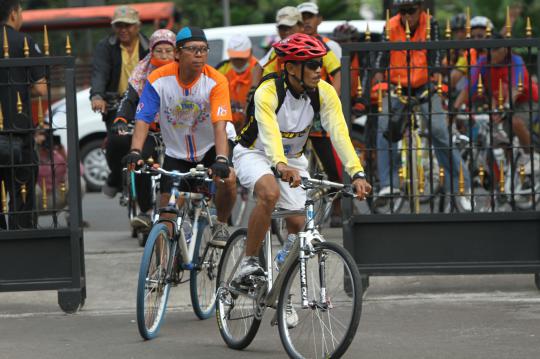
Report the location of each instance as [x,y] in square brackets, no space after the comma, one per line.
[273,321]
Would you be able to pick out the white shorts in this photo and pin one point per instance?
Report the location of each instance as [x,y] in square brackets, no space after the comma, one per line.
[251,165]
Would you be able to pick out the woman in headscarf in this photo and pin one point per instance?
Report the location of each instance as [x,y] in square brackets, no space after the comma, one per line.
[162,47]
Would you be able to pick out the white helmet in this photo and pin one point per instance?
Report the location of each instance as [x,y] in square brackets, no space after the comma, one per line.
[481,22]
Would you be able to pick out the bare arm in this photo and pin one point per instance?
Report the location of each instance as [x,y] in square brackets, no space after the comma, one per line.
[256,75]
[220,135]
[139,135]
[336,82]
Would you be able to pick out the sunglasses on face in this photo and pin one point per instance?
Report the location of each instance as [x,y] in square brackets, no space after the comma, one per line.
[195,49]
[313,64]
[408,10]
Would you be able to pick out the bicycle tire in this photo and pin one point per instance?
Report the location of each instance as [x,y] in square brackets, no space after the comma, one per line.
[150,330]
[235,247]
[203,276]
[131,201]
[348,286]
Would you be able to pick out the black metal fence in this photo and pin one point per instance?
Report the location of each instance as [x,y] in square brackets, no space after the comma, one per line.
[41,237]
[454,164]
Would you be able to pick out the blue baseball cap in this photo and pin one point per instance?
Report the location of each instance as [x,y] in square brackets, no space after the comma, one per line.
[190,33]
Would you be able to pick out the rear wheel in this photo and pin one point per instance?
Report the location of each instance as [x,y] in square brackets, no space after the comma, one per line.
[236,310]
[327,325]
[203,276]
[95,166]
[154,281]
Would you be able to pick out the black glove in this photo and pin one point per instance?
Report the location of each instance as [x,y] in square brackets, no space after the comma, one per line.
[119,125]
[220,169]
[132,159]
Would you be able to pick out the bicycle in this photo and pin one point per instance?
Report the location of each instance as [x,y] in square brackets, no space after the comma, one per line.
[128,196]
[167,255]
[318,278]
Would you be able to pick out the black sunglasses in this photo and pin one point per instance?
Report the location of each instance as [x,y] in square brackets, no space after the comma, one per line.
[410,10]
[313,64]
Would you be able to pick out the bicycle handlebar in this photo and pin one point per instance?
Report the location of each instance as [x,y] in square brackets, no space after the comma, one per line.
[198,172]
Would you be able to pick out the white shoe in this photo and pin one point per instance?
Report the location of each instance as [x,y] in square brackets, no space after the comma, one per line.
[464,203]
[388,191]
[248,266]
[291,315]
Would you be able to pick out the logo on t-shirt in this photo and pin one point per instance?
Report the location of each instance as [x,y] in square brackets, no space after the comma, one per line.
[140,107]
[221,111]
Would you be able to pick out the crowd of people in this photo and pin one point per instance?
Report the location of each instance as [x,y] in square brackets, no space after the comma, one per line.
[163,84]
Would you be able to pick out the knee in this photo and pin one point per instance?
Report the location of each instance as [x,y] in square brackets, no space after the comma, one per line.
[268,196]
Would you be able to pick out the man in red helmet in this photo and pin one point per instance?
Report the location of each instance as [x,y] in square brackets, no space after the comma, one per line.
[279,119]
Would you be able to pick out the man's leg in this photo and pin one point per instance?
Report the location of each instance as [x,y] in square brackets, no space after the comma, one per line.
[386,161]
[267,194]
[440,140]
[117,147]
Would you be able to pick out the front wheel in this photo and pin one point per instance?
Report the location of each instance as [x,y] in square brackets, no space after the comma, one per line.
[327,325]
[236,309]
[203,279]
[154,281]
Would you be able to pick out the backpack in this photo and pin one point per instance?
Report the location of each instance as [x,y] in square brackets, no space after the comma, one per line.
[249,132]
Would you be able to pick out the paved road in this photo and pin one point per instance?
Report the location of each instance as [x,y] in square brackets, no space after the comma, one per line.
[403,317]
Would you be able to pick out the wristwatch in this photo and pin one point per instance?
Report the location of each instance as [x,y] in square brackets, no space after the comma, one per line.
[359,175]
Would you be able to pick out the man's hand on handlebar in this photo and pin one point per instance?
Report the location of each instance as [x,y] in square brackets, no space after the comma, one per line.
[289,174]
[99,105]
[362,188]
[133,160]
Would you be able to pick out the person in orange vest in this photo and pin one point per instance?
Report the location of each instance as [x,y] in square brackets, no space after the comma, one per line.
[413,69]
[479,25]
[238,71]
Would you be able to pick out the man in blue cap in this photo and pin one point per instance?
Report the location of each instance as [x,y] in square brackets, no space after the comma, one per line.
[192,100]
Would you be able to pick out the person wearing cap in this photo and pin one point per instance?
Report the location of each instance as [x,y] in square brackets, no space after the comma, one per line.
[192,102]
[114,59]
[162,45]
[288,22]
[468,58]
[238,71]
[312,19]
[413,70]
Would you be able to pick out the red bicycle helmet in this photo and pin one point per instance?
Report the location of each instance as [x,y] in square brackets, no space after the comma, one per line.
[299,47]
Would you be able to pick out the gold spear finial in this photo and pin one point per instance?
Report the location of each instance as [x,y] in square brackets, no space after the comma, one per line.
[428,26]
[528,27]
[4,198]
[62,191]
[24,192]
[40,113]
[399,89]
[1,118]
[359,89]
[520,84]
[488,30]
[508,26]
[26,49]
[6,44]
[387,27]
[448,30]
[480,88]
[45,41]
[501,176]
[421,179]
[407,30]
[44,193]
[501,97]
[439,86]
[68,46]
[368,33]
[441,176]
[481,174]
[379,99]
[19,103]
[468,22]
[401,174]
[461,181]
[522,173]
